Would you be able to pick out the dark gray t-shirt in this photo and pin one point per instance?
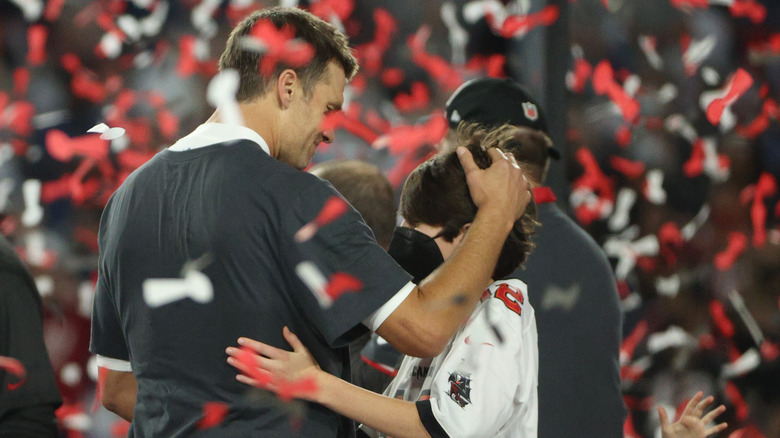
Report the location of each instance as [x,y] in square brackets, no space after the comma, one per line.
[579,320]
[242,207]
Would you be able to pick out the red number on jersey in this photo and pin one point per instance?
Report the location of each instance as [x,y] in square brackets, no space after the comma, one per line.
[511,297]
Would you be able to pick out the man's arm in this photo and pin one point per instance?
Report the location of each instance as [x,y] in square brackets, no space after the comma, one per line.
[119,392]
[424,322]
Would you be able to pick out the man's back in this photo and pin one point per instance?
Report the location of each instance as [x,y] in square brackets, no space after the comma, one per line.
[579,323]
[235,208]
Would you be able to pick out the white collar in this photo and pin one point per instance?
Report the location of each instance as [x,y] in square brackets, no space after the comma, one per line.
[212,133]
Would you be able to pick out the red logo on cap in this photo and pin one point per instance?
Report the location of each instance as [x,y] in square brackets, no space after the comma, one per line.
[529,109]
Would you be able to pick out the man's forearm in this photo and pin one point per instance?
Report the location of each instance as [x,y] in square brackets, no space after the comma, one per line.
[119,393]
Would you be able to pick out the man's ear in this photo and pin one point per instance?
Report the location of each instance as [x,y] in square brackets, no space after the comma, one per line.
[285,87]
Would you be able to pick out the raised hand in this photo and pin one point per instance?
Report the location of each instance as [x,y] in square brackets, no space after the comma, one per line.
[291,374]
[691,423]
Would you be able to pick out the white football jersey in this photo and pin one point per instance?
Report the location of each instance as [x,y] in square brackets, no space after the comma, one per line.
[484,383]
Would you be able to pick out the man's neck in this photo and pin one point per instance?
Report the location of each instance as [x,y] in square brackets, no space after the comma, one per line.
[258,117]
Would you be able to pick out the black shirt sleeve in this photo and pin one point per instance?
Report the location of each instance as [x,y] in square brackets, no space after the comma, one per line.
[345,245]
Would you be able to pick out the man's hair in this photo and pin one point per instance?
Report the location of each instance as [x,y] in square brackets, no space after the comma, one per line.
[529,146]
[327,41]
[436,194]
[367,189]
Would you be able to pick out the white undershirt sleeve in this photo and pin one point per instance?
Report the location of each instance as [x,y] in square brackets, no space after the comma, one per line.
[377,318]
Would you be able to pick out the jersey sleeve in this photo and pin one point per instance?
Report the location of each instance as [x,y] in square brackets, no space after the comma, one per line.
[339,274]
[486,377]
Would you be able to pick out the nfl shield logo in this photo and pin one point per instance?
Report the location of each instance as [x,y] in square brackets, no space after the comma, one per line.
[529,109]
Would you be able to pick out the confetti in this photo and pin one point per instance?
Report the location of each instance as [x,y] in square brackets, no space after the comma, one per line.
[631,341]
[439,69]
[33,212]
[214,414]
[457,35]
[326,291]
[64,148]
[277,45]
[747,318]
[621,214]
[604,84]
[333,209]
[763,189]
[631,169]
[221,93]
[736,246]
[370,55]
[648,44]
[577,79]
[739,83]
[653,187]
[16,368]
[107,133]
[36,43]
[672,337]
[161,291]
[405,138]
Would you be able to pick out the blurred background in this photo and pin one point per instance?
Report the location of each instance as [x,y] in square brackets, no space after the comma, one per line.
[665,112]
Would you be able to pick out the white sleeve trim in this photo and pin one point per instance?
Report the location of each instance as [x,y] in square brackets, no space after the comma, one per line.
[377,318]
[114,364]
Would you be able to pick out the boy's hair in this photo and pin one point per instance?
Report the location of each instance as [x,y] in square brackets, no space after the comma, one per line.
[436,194]
[327,41]
[529,146]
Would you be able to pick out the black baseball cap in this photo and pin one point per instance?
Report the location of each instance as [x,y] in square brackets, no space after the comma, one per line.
[492,102]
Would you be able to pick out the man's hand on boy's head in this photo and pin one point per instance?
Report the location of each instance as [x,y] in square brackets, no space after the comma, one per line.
[502,186]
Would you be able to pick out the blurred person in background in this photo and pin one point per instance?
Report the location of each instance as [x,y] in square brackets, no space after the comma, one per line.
[578,312]
[367,189]
[27,400]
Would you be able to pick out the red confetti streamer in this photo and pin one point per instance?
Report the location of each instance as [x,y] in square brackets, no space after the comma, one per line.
[736,246]
[280,46]
[370,55]
[623,136]
[120,428]
[630,343]
[214,414]
[440,70]
[670,240]
[15,367]
[578,78]
[719,318]
[168,123]
[769,351]
[769,110]
[53,10]
[604,83]
[694,166]
[36,44]
[325,9]
[751,9]
[64,148]
[593,178]
[739,83]
[765,188]
[406,138]
[187,64]
[750,431]
[333,209]
[21,81]
[518,25]
[629,431]
[735,397]
[341,283]
[392,77]
[301,388]
[418,99]
[631,169]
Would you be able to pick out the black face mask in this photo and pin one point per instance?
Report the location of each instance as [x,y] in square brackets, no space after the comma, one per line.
[416,252]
